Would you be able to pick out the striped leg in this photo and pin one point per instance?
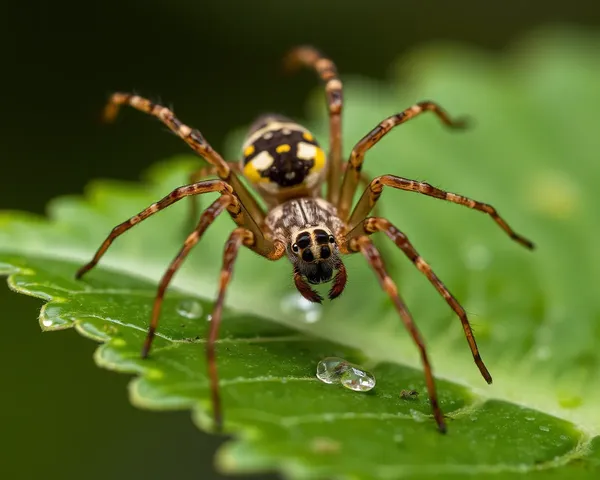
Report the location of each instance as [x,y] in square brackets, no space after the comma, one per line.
[373,192]
[176,195]
[375,224]
[201,174]
[364,245]
[208,217]
[239,237]
[309,57]
[193,138]
[351,177]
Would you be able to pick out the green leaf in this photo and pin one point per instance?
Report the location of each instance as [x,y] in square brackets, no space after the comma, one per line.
[532,154]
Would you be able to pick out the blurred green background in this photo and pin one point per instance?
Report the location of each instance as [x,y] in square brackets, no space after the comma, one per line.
[218,63]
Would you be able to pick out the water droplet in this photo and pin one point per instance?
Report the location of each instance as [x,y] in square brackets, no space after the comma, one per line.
[398,438]
[544,428]
[47,322]
[189,309]
[358,380]
[564,437]
[530,419]
[296,304]
[337,370]
[473,418]
[330,369]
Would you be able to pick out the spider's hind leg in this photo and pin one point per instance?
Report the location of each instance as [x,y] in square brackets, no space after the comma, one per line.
[310,57]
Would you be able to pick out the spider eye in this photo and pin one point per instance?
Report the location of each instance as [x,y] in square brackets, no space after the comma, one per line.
[295,248]
[331,239]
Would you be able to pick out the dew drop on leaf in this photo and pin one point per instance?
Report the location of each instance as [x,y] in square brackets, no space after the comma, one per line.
[189,309]
[337,370]
[330,369]
[47,322]
[357,379]
[544,428]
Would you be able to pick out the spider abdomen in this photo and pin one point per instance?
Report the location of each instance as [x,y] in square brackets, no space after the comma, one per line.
[279,154]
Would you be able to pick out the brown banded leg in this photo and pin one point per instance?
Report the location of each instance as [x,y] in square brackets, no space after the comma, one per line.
[239,237]
[375,224]
[309,57]
[193,138]
[364,245]
[373,192]
[201,174]
[208,217]
[355,162]
[207,186]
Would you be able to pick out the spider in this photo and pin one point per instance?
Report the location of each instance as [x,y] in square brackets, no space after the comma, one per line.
[285,165]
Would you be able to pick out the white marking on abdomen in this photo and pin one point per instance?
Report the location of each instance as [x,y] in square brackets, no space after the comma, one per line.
[262,161]
[306,151]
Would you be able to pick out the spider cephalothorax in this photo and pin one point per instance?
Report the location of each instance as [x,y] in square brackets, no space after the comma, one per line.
[286,166]
[308,228]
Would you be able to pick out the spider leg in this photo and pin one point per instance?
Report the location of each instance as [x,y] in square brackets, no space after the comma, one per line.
[195,189]
[240,236]
[364,245]
[208,217]
[375,224]
[355,162]
[201,174]
[373,192]
[193,138]
[310,57]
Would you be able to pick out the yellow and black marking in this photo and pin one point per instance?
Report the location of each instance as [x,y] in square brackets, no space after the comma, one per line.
[280,151]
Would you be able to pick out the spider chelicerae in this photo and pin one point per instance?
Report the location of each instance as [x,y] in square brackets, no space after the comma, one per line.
[286,166]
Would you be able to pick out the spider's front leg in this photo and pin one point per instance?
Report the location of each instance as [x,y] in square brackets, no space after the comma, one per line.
[364,245]
[240,236]
[192,137]
[201,174]
[189,135]
[199,188]
[376,224]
